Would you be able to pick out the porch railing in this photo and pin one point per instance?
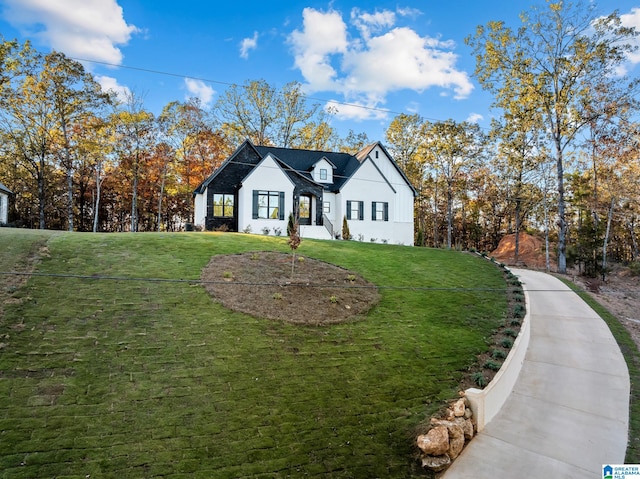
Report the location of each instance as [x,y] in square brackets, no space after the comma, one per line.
[327,224]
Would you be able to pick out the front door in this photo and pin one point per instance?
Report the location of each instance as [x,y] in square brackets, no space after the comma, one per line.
[305,210]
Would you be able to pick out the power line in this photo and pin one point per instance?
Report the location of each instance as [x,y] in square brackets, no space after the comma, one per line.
[228,84]
[97,277]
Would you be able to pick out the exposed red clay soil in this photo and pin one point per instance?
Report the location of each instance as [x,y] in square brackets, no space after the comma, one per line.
[531,253]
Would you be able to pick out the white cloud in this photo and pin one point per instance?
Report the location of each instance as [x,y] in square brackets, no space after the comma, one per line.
[378,58]
[632,19]
[111,84]
[369,23]
[248,44]
[475,118]
[323,34]
[199,89]
[88,29]
[356,110]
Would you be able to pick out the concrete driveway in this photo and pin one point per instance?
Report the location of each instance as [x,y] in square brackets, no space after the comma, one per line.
[568,413]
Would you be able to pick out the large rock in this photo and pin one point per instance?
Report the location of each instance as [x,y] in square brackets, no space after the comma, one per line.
[467,427]
[435,442]
[459,408]
[456,441]
[436,463]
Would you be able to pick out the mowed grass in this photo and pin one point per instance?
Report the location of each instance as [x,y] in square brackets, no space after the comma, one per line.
[131,378]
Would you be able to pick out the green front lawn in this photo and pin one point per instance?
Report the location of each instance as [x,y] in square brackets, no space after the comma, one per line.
[130,378]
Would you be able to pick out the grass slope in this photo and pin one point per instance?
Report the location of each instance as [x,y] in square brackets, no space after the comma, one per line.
[136,378]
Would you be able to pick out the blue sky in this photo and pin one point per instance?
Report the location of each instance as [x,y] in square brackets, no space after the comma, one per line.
[375,59]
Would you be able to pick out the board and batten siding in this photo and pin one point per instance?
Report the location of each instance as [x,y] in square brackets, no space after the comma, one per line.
[266,176]
[369,185]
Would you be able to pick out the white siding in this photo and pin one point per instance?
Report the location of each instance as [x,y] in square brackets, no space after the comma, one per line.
[404,202]
[200,208]
[4,208]
[322,165]
[369,185]
[267,176]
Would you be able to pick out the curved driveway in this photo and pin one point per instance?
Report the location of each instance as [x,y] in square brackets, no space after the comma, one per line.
[568,412]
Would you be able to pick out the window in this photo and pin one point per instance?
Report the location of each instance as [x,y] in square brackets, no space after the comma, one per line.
[223,205]
[323,174]
[268,205]
[355,210]
[326,207]
[305,207]
[380,211]
[376,153]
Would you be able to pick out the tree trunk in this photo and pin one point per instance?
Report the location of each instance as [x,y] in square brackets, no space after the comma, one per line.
[517,246]
[606,238]
[41,193]
[97,203]
[634,241]
[134,197]
[164,176]
[449,216]
[562,224]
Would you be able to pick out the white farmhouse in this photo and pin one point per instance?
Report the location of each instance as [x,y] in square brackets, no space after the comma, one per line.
[257,188]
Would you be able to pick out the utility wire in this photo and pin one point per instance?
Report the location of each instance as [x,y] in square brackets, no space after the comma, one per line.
[235,85]
[283,284]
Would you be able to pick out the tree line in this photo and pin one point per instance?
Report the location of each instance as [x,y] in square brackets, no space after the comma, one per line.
[560,158]
[79,158]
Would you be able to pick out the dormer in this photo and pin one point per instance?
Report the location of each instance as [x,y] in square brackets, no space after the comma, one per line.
[322,171]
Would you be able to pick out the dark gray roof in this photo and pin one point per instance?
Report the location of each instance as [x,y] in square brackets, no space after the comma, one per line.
[248,155]
[5,189]
[303,160]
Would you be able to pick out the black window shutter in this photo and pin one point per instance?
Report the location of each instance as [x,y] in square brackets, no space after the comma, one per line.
[281,205]
[361,210]
[373,210]
[348,210]
[386,211]
[255,204]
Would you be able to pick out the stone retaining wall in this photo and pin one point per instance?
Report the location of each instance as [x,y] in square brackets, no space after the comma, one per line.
[469,415]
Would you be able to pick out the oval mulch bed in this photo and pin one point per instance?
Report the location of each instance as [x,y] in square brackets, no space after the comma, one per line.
[261,284]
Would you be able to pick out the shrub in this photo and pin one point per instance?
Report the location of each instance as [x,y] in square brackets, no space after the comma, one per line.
[634,267]
[498,354]
[519,311]
[247,229]
[515,322]
[479,379]
[506,343]
[277,296]
[346,235]
[510,332]
[277,231]
[290,224]
[493,365]
[266,230]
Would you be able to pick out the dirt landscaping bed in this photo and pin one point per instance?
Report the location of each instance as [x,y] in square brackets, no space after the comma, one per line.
[298,290]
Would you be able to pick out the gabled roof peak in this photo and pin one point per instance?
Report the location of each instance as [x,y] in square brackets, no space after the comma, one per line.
[362,154]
